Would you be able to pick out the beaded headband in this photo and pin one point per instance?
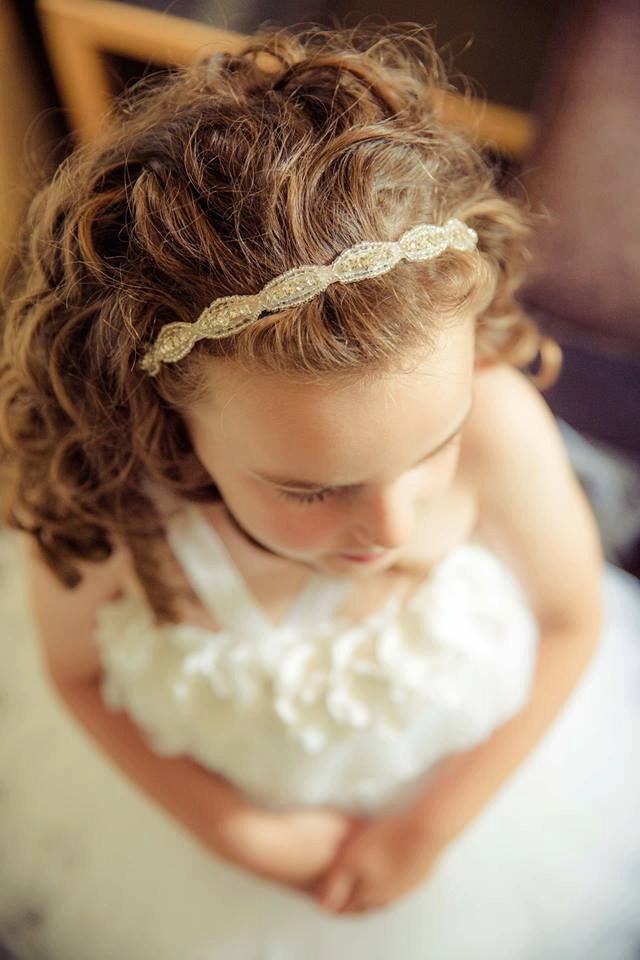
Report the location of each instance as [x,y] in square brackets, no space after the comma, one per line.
[228,315]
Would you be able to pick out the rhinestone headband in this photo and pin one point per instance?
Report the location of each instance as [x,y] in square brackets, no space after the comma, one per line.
[228,315]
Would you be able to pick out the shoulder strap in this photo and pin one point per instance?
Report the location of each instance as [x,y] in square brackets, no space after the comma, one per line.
[318,600]
[213,576]
[223,591]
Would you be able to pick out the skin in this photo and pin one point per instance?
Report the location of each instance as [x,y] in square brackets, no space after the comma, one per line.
[366,432]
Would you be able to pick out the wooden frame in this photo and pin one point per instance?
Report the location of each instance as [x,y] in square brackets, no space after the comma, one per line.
[78,32]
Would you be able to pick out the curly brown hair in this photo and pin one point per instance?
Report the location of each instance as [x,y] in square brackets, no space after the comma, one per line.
[209,181]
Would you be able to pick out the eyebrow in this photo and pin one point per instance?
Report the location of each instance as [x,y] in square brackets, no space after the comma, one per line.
[309,485]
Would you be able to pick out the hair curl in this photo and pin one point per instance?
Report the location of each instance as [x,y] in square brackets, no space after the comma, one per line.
[209,182]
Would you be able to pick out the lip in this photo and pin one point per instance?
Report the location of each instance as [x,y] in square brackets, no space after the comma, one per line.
[363,557]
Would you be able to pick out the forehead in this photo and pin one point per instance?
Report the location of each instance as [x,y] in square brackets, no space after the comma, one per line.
[342,429]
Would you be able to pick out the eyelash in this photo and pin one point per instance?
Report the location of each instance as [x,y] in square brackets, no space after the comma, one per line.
[318,496]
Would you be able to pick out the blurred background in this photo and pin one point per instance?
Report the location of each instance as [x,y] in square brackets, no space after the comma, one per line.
[553,90]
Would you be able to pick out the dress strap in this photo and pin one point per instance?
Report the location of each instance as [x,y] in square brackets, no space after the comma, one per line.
[318,600]
[214,578]
[223,591]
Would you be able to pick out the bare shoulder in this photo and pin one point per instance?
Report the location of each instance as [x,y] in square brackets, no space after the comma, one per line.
[65,617]
[504,400]
[511,430]
[532,510]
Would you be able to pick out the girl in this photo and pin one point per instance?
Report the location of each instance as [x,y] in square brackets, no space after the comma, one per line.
[303,552]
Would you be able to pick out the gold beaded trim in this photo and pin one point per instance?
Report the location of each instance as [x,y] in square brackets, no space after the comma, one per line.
[228,315]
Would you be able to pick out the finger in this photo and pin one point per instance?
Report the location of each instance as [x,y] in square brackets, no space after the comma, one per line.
[324,883]
[362,906]
[363,899]
[355,901]
[337,892]
[321,886]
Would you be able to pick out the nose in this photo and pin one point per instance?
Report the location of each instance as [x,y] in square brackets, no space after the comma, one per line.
[386,517]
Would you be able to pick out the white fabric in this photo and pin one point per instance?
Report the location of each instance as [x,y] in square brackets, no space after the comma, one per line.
[349,714]
[90,865]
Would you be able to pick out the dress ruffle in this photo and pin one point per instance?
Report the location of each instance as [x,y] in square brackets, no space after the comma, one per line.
[348,714]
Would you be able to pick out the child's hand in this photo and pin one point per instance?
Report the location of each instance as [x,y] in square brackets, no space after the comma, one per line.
[382,859]
[294,848]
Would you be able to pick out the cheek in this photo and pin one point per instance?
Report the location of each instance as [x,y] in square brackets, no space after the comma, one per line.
[294,527]
[305,527]
[433,480]
[446,468]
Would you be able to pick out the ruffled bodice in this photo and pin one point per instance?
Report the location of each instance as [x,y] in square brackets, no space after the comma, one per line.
[318,709]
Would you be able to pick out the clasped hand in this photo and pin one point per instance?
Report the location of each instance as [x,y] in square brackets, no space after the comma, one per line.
[348,864]
[381,859]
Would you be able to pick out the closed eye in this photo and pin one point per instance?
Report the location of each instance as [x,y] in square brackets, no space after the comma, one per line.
[317,496]
[314,496]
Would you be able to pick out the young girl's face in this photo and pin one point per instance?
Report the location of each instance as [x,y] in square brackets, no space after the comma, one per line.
[314,472]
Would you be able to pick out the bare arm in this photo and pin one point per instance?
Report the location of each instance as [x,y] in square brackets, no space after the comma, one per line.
[291,848]
[537,518]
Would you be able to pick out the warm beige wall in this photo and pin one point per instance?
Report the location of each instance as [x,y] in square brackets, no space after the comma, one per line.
[25,131]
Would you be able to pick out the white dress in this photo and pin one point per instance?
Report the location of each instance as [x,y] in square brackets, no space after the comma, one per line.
[319,710]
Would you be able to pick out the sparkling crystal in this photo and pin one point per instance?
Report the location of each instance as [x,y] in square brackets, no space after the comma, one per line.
[365,260]
[294,286]
[227,315]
